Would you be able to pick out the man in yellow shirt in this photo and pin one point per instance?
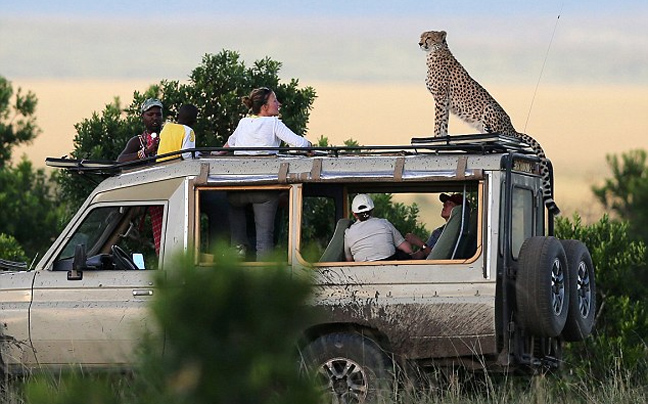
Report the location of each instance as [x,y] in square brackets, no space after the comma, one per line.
[179,136]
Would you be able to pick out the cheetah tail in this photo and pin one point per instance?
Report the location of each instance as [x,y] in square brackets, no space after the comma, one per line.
[552,206]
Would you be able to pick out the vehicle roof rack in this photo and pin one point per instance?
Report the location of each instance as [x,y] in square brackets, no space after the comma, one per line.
[479,143]
[474,144]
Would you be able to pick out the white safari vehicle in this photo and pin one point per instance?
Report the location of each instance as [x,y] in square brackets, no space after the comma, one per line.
[497,291]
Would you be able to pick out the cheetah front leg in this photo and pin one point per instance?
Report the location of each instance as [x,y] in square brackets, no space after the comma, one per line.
[441,116]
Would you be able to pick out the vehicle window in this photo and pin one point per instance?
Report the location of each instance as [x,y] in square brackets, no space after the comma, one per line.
[254,222]
[97,226]
[137,230]
[319,217]
[326,213]
[521,219]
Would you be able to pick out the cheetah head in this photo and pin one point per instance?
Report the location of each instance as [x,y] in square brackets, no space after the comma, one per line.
[431,40]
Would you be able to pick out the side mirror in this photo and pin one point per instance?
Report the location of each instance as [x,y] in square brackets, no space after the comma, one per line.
[79,263]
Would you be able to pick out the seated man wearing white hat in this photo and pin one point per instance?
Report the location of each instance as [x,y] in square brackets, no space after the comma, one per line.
[371,238]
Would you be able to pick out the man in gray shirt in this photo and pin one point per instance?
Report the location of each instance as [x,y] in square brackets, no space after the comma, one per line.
[371,238]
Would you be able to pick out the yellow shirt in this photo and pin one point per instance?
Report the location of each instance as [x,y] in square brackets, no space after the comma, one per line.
[174,137]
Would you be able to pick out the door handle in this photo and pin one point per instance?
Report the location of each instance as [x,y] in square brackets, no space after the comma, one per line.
[143,292]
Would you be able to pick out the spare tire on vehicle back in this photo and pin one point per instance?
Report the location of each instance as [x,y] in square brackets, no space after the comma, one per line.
[542,287]
[582,292]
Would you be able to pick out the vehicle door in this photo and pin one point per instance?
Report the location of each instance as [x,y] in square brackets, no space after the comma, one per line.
[97,316]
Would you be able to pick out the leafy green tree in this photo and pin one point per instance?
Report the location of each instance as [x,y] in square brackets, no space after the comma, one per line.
[621,276]
[10,249]
[215,87]
[30,212]
[17,120]
[403,217]
[626,193]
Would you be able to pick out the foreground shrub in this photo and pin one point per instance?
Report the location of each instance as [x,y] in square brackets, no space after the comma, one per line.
[227,335]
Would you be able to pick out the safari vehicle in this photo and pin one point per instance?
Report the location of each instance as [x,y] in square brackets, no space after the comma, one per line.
[497,291]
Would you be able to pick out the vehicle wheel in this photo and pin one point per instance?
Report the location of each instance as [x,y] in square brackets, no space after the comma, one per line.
[582,292]
[350,367]
[542,287]
[121,259]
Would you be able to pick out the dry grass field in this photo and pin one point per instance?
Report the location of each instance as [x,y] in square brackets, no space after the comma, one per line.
[577,126]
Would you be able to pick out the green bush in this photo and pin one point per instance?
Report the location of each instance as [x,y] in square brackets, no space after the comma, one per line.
[621,329]
[229,335]
[10,249]
[30,211]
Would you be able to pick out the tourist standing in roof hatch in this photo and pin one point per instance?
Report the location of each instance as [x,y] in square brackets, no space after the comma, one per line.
[145,145]
[262,127]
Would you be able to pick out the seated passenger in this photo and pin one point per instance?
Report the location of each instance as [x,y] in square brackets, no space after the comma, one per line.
[371,238]
[449,202]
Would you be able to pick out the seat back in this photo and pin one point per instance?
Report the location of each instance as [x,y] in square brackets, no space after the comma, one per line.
[468,240]
[446,245]
[335,249]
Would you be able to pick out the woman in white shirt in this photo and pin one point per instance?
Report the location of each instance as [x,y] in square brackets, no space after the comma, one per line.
[262,127]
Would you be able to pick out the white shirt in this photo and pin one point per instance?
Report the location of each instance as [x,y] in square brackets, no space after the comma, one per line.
[263,131]
[372,240]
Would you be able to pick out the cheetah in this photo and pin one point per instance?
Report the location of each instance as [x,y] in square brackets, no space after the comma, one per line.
[455,91]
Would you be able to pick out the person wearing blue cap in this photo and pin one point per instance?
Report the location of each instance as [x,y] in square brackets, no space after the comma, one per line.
[145,145]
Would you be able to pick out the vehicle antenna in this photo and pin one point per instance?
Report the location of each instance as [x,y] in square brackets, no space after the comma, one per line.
[544,63]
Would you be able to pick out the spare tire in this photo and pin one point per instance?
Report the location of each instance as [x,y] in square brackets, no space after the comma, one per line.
[582,292]
[542,287]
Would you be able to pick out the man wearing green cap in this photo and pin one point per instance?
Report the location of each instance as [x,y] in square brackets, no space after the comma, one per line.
[145,145]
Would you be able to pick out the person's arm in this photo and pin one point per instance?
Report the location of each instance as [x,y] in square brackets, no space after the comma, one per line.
[414,240]
[188,142]
[284,133]
[398,239]
[130,152]
[347,250]
[405,247]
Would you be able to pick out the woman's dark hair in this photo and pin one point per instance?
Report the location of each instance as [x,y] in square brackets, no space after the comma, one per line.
[257,98]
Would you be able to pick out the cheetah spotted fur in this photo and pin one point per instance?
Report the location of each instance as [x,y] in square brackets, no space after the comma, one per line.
[455,91]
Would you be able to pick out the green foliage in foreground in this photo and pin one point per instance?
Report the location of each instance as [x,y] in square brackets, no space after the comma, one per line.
[230,335]
[620,342]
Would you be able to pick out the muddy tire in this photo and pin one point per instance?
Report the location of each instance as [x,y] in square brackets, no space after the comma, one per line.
[542,287]
[582,292]
[349,367]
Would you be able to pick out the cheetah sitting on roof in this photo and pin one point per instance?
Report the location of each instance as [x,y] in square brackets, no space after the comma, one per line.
[455,91]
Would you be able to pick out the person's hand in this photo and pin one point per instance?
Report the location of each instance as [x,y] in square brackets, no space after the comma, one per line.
[152,149]
[413,239]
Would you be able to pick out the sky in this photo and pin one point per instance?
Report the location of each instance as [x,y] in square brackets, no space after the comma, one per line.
[507,42]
